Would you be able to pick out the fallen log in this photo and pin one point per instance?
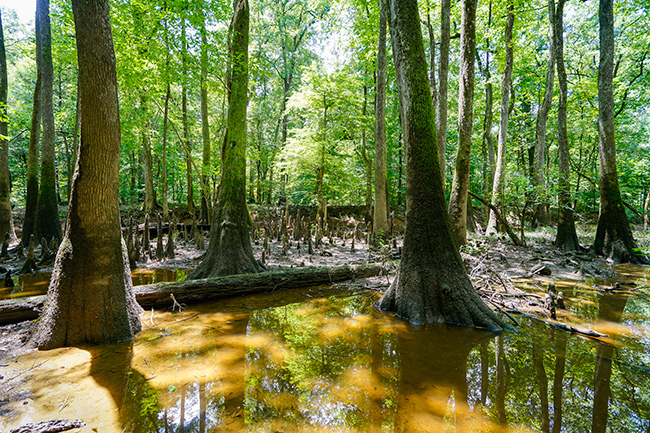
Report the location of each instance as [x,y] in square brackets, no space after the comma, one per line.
[209,289]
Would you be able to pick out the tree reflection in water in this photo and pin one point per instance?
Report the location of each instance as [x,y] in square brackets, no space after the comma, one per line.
[336,364]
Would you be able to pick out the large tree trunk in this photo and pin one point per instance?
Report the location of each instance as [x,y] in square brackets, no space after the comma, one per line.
[75,142]
[432,284]
[6,220]
[613,235]
[90,298]
[541,216]
[500,169]
[460,185]
[230,250]
[47,223]
[204,215]
[443,81]
[380,215]
[566,237]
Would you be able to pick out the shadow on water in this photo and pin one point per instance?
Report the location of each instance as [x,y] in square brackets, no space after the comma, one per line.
[326,360]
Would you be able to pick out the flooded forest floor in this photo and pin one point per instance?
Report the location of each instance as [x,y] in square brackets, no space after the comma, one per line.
[538,288]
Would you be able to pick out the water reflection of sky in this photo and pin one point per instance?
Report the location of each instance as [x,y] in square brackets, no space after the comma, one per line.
[324,360]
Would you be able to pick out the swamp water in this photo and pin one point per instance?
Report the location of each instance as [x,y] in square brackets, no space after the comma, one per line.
[37,283]
[324,359]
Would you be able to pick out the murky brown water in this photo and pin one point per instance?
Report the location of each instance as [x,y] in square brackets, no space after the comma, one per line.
[36,284]
[325,360]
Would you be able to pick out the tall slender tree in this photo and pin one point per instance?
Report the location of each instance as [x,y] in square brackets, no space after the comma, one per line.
[460,185]
[500,168]
[6,219]
[47,224]
[90,298]
[380,215]
[204,214]
[541,216]
[31,193]
[613,235]
[443,83]
[230,250]
[566,237]
[432,284]
[186,128]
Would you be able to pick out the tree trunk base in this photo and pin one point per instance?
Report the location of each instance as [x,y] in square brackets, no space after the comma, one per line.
[421,296]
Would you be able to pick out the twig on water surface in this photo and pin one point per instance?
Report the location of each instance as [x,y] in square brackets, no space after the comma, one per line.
[64,404]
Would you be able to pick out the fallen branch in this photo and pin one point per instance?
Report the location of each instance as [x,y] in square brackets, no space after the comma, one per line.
[51,426]
[562,326]
[209,289]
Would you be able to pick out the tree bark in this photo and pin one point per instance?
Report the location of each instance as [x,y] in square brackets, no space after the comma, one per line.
[488,140]
[186,128]
[6,219]
[165,204]
[613,235]
[204,215]
[460,184]
[443,82]
[500,169]
[566,237]
[366,159]
[230,250]
[31,194]
[150,203]
[380,214]
[90,298]
[47,223]
[432,284]
[210,289]
[540,215]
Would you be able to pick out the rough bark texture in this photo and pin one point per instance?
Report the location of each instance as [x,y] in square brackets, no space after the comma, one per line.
[230,250]
[613,234]
[209,289]
[566,237]
[90,297]
[6,220]
[540,216]
[460,185]
[500,169]
[432,284]
[47,224]
[380,215]
[443,81]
